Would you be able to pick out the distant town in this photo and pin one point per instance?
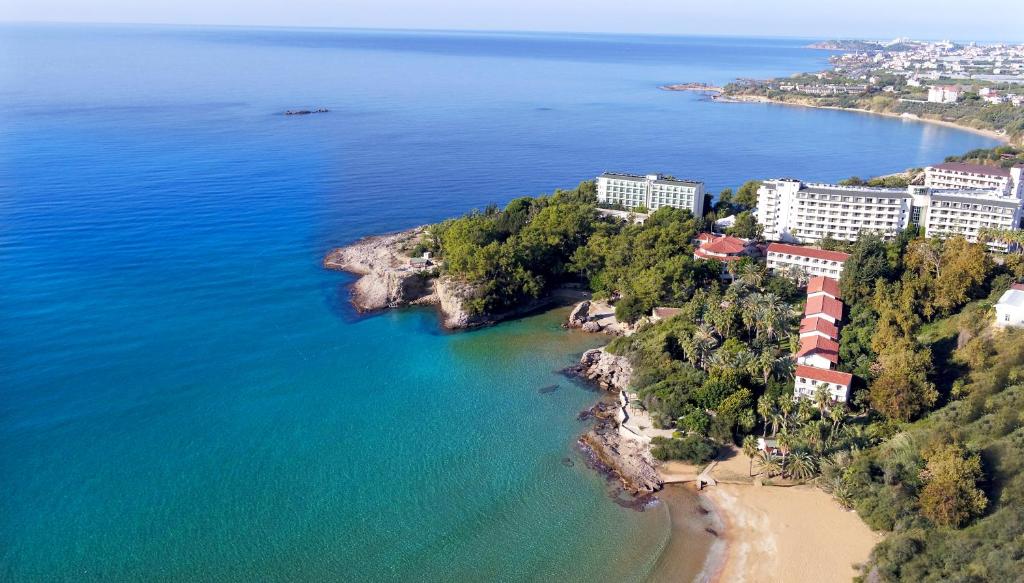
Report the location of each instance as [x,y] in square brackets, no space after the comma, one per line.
[976,86]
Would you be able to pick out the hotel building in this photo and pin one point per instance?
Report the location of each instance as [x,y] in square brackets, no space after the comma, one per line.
[783,259]
[791,210]
[960,175]
[652,191]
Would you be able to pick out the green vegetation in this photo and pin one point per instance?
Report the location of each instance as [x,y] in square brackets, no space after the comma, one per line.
[519,253]
[971,111]
[1005,156]
[693,449]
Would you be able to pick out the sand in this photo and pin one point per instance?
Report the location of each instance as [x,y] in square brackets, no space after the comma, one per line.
[793,534]
[695,549]
[761,99]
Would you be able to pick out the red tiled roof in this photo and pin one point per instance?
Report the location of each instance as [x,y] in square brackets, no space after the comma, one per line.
[815,324]
[824,305]
[974,169]
[824,284]
[726,244]
[823,346]
[824,375]
[1018,286]
[812,252]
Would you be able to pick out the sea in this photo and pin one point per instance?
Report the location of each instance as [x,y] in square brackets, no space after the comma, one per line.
[186,395]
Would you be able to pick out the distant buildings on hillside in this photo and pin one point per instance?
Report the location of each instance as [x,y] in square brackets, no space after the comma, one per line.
[957,199]
[651,191]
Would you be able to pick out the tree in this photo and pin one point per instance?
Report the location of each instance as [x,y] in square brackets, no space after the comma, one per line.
[750,450]
[768,463]
[746,226]
[951,496]
[630,309]
[867,263]
[801,466]
[902,390]
[746,195]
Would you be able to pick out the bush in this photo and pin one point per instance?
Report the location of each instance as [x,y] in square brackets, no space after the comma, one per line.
[692,448]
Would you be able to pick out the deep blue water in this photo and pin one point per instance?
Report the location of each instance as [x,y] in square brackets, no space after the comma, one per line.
[184,392]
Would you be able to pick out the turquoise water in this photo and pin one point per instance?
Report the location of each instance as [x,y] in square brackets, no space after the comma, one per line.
[185,393]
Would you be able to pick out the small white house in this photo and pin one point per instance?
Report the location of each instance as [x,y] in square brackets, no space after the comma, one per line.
[1010,308]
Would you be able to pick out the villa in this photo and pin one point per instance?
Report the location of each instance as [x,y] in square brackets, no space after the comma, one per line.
[1010,308]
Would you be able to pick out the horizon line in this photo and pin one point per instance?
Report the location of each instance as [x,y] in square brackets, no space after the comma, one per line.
[488,31]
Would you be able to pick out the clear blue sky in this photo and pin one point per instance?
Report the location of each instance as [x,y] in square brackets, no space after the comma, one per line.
[986,20]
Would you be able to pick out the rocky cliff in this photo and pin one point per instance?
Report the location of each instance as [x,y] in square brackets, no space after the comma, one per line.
[389,279]
[608,371]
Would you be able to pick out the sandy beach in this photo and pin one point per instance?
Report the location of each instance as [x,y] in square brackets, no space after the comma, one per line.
[793,534]
[736,531]
[907,117]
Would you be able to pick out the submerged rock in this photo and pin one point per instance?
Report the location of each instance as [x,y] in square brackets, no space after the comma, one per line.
[548,389]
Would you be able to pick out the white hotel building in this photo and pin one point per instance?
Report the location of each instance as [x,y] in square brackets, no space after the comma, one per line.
[795,211]
[652,191]
[960,175]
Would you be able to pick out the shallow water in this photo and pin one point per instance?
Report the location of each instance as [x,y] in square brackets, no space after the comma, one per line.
[185,393]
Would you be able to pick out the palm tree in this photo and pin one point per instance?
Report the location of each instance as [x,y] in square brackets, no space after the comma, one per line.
[784,442]
[767,362]
[766,409]
[801,466]
[768,463]
[786,406]
[836,414]
[822,398]
[750,450]
[752,275]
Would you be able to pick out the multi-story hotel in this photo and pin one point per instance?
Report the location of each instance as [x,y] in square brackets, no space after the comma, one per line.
[791,210]
[810,261]
[652,191]
[960,175]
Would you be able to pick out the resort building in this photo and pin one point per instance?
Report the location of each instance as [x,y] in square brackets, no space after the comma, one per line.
[815,326]
[960,175]
[1010,307]
[793,211]
[723,248]
[652,192]
[818,353]
[808,379]
[810,262]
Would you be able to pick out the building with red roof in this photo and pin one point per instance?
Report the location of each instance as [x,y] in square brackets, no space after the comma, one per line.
[722,247]
[816,326]
[809,379]
[825,286]
[823,306]
[810,262]
[818,351]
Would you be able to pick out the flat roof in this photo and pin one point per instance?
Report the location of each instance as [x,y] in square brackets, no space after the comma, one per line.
[812,252]
[819,188]
[641,177]
[974,169]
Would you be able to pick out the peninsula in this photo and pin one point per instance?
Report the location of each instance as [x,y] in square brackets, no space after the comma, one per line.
[863,373]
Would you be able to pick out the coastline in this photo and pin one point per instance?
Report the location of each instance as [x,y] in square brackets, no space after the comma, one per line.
[1003,138]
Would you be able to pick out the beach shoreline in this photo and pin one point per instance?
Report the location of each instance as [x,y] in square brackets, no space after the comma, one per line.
[1003,138]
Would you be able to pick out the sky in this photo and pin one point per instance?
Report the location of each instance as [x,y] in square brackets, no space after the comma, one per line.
[817,19]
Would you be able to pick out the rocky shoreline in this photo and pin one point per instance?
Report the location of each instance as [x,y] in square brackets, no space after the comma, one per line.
[603,445]
[390,278]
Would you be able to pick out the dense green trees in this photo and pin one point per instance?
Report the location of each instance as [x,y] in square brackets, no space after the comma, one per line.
[692,448]
[516,254]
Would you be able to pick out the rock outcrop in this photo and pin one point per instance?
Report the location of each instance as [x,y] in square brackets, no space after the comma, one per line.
[579,316]
[607,370]
[389,279]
